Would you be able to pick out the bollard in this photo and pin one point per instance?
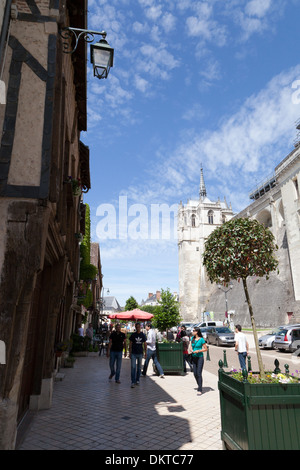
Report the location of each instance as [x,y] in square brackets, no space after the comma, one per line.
[225,360]
[276,370]
[249,364]
[207,354]
[245,375]
[287,369]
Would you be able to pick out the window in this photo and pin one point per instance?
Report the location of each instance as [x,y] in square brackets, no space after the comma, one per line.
[210,217]
[193,220]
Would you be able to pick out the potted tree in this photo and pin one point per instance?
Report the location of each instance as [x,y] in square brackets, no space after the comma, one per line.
[260,412]
[170,354]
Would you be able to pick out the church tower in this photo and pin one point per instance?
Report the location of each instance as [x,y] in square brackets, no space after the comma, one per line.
[196,221]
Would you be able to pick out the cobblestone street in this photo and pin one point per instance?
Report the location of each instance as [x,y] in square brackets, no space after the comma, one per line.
[91,413]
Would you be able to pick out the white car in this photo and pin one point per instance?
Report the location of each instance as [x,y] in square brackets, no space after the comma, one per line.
[210,323]
[267,340]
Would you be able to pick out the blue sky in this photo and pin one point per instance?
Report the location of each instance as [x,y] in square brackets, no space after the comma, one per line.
[193,82]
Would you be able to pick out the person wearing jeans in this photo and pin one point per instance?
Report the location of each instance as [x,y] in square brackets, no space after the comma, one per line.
[241,346]
[117,341]
[151,351]
[137,344]
[199,347]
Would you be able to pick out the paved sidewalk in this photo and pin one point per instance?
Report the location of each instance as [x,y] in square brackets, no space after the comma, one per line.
[89,412]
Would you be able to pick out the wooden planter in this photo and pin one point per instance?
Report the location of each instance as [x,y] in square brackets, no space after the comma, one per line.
[170,357]
[259,416]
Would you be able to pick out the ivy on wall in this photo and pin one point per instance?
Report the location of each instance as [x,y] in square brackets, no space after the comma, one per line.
[88,271]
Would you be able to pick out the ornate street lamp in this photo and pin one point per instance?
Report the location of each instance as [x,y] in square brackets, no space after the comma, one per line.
[102,55]
[225,292]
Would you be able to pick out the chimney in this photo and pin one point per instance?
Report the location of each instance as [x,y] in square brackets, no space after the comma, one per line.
[158,295]
[150,295]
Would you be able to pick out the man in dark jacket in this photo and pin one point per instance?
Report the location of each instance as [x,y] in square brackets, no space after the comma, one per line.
[117,342]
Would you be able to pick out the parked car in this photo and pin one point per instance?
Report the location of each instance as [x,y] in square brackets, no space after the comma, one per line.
[221,336]
[188,327]
[288,338]
[267,340]
[210,323]
[205,331]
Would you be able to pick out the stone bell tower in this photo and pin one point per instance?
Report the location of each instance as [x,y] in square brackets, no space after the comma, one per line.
[196,221]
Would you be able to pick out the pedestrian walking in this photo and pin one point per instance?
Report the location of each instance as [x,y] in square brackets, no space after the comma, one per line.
[90,333]
[80,330]
[117,342]
[151,351]
[186,354]
[137,344]
[241,346]
[198,348]
[180,334]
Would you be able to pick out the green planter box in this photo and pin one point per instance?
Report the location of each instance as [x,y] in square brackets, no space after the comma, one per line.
[170,357]
[259,416]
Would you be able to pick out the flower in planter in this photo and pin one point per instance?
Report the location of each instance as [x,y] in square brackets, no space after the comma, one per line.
[270,378]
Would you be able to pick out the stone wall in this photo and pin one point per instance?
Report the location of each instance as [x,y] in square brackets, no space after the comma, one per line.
[39,253]
[275,301]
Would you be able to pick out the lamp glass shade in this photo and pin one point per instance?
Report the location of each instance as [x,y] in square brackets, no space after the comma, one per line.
[102,58]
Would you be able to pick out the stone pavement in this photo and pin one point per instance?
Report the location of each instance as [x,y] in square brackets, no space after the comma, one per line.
[89,412]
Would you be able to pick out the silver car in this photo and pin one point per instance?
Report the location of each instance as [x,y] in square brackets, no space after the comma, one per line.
[288,338]
[221,336]
[205,331]
[267,340]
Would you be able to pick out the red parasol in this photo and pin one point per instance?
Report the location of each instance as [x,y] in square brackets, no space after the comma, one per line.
[135,314]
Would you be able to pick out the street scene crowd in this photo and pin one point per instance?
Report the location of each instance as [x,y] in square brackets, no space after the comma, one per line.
[138,342]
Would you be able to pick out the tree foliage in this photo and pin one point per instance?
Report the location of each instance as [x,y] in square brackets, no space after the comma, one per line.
[87,270]
[150,308]
[131,304]
[167,313]
[236,250]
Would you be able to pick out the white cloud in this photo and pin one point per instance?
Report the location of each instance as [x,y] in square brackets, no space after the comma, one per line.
[212,71]
[258,8]
[256,16]
[249,143]
[157,61]
[205,26]
[141,84]
[138,27]
[193,113]
[168,22]
[154,12]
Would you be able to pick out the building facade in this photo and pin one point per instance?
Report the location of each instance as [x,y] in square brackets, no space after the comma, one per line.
[276,204]
[196,221]
[152,299]
[41,155]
